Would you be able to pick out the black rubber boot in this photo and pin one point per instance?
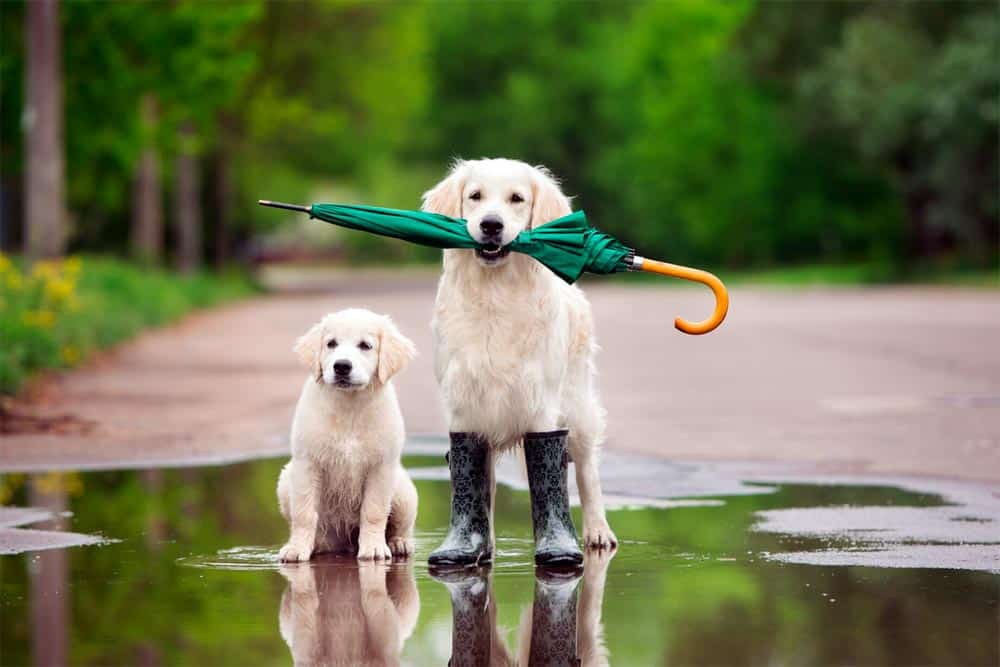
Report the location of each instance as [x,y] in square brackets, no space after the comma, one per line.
[468,539]
[555,537]
[553,618]
[472,616]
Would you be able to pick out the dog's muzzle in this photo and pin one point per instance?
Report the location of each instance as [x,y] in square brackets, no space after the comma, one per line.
[491,229]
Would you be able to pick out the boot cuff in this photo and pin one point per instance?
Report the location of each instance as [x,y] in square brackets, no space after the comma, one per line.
[546,434]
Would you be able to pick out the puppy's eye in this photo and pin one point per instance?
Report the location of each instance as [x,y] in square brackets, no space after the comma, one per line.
[516,198]
[476,196]
[365,345]
[332,343]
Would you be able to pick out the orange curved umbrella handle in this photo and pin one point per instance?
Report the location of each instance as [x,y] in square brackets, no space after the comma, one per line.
[698,276]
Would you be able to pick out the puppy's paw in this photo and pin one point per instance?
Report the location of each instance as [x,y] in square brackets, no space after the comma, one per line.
[374,550]
[401,547]
[293,553]
[597,535]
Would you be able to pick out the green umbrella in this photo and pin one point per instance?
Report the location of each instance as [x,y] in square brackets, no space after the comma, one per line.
[568,246]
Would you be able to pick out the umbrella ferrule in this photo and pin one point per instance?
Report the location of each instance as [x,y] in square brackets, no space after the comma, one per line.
[636,263]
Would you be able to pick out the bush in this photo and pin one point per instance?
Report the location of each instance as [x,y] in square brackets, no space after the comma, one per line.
[54,313]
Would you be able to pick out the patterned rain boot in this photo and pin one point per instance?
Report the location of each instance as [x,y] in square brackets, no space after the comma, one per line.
[553,619]
[472,616]
[555,537]
[468,539]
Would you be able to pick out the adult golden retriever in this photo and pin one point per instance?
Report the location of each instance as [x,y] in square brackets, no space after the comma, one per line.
[515,344]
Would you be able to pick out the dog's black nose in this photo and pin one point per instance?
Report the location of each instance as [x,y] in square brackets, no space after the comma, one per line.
[342,367]
[491,225]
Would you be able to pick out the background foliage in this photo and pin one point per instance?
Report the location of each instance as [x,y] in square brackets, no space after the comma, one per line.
[53,314]
[731,133]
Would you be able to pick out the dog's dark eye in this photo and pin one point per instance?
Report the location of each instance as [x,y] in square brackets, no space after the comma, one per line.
[516,198]
[476,196]
[332,343]
[364,345]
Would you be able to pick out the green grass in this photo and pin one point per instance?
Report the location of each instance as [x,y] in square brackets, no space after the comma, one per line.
[54,314]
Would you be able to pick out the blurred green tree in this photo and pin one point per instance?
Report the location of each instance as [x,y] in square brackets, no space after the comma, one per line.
[911,92]
[707,132]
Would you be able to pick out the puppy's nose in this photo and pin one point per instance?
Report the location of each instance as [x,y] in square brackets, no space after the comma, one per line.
[491,225]
[342,367]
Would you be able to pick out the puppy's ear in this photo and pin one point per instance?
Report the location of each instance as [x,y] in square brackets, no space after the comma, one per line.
[446,197]
[549,203]
[394,351]
[307,348]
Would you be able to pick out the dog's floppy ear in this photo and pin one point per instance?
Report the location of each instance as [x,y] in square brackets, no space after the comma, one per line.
[549,203]
[446,197]
[307,348]
[394,351]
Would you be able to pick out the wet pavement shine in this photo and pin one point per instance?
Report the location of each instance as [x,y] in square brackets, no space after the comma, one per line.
[719,564]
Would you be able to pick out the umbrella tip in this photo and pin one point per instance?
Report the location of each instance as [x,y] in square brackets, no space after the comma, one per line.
[290,207]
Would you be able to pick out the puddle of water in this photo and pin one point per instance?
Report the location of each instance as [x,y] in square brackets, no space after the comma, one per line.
[195,580]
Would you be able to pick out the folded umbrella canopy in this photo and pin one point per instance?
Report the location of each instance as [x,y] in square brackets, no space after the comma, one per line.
[568,246]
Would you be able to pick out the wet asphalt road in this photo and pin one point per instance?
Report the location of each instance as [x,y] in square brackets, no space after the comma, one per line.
[882,381]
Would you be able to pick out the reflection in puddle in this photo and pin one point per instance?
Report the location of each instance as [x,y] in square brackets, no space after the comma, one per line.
[691,584]
[339,612]
[557,629]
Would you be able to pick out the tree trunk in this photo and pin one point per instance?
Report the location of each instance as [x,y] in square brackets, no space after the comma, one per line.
[48,575]
[187,204]
[45,216]
[223,206]
[147,197]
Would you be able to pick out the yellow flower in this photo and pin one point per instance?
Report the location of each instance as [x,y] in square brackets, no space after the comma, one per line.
[70,355]
[69,483]
[14,281]
[72,266]
[44,269]
[58,289]
[43,319]
[9,484]
[5,264]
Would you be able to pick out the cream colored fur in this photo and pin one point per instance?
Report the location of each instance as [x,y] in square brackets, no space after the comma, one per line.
[345,487]
[514,344]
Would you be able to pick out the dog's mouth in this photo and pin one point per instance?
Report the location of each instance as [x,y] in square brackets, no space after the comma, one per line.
[343,383]
[492,252]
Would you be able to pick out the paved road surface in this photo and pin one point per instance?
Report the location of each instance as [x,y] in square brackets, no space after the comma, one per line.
[894,380]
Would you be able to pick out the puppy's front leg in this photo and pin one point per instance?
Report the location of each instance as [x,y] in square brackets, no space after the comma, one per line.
[379,488]
[299,613]
[381,619]
[303,499]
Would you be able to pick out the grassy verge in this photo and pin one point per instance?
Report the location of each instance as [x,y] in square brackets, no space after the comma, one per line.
[54,313]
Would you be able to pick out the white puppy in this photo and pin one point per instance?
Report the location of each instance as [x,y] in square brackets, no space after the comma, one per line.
[345,487]
[515,344]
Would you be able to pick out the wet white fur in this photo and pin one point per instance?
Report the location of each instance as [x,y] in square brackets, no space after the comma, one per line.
[514,344]
[345,480]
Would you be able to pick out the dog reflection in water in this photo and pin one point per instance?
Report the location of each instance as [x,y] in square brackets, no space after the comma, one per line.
[338,611]
[562,626]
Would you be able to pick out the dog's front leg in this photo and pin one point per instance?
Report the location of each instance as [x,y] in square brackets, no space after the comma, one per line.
[375,505]
[304,518]
[597,534]
[381,619]
[592,650]
[299,613]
